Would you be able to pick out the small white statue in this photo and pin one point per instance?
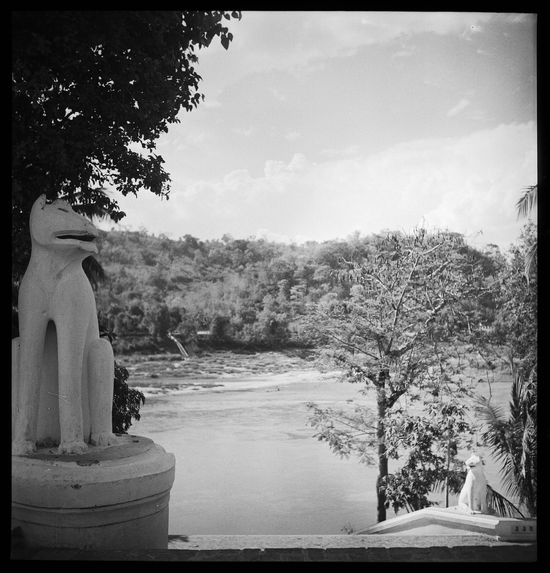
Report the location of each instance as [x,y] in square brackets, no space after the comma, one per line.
[63,372]
[473,496]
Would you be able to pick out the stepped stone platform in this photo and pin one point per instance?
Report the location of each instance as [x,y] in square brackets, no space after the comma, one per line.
[380,548]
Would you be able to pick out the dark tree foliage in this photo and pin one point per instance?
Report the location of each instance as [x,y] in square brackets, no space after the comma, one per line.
[126,402]
[91,93]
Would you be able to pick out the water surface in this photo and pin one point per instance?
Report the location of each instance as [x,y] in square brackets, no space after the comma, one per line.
[246,459]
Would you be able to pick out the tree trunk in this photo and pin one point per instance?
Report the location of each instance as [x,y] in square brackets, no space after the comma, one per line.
[382,457]
[447,472]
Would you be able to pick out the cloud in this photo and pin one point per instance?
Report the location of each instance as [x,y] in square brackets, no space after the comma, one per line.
[293,41]
[292,135]
[279,238]
[211,103]
[348,151]
[180,140]
[466,184]
[386,26]
[403,53]
[461,105]
[298,163]
[277,94]
[245,131]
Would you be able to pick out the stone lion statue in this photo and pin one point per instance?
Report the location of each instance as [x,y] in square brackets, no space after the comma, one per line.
[62,371]
[473,496]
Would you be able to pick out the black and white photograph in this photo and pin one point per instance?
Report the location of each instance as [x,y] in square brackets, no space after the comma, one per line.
[274,285]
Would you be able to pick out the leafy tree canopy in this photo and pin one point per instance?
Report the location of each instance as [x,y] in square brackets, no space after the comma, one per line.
[91,93]
[416,305]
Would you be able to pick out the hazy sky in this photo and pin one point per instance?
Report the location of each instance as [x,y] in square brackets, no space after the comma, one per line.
[319,124]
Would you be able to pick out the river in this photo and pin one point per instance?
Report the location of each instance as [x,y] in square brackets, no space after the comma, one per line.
[246,459]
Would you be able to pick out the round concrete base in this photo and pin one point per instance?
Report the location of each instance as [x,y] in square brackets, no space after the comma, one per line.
[112,497]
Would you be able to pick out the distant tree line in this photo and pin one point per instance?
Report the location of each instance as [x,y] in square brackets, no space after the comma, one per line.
[244,292]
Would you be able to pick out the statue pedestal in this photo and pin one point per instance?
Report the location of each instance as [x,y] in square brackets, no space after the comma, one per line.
[112,497]
[454,520]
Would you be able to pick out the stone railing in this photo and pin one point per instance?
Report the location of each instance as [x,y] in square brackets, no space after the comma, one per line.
[379,548]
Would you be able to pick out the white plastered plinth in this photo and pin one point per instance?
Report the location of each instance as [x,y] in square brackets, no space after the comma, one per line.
[109,497]
[453,520]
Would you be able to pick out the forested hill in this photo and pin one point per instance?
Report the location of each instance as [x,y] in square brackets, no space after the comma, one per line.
[243,293]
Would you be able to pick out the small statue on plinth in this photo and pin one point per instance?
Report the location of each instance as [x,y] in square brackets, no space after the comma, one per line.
[63,372]
[473,496]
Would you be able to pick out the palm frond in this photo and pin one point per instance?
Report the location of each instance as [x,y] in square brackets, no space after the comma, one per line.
[530,262]
[489,413]
[528,445]
[527,201]
[500,505]
[501,437]
[513,440]
[516,396]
